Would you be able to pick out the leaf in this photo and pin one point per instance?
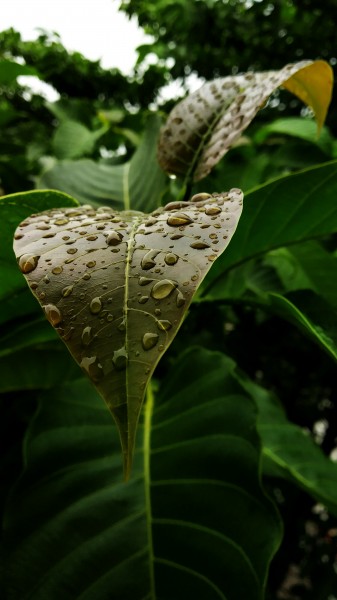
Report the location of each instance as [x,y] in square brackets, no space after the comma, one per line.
[304,129]
[285,211]
[72,139]
[10,70]
[201,128]
[117,285]
[137,184]
[193,522]
[291,449]
[13,209]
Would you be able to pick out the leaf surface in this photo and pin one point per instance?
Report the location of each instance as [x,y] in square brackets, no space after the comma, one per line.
[182,527]
[201,128]
[117,285]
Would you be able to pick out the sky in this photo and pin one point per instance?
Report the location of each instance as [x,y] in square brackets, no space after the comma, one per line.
[93,27]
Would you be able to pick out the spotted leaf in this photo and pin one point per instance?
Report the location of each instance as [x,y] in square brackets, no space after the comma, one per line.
[116,285]
[202,128]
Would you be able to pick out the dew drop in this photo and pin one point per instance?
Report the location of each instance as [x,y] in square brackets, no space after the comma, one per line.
[162,289]
[164,325]
[72,251]
[67,291]
[147,261]
[61,221]
[211,210]
[144,280]
[109,317]
[92,366]
[176,236]
[114,238]
[149,340]
[180,301]
[157,312]
[175,205]
[171,258]
[28,262]
[95,305]
[200,197]
[122,326]
[86,276]
[53,314]
[120,359]
[87,336]
[18,236]
[92,238]
[91,263]
[57,270]
[194,277]
[179,219]
[46,279]
[143,299]
[33,285]
[68,334]
[199,245]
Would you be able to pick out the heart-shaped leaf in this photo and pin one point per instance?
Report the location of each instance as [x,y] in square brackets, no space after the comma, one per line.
[202,128]
[117,285]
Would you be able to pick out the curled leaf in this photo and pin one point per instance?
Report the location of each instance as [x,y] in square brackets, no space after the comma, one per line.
[201,129]
[116,285]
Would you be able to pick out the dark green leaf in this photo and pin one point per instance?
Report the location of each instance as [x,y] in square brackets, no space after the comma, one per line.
[72,139]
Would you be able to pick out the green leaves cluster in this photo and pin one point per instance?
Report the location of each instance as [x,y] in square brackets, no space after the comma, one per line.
[195,518]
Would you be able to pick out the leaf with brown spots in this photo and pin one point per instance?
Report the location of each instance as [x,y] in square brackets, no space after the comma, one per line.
[201,129]
[116,286]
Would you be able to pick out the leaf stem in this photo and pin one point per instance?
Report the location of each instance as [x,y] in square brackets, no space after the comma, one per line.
[149,404]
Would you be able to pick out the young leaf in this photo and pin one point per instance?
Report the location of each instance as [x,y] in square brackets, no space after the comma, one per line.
[117,285]
[202,128]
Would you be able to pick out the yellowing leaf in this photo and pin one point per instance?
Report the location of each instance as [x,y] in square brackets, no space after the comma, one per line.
[201,129]
[116,285]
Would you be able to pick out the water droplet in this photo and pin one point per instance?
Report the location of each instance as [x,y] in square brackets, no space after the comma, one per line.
[144,280]
[92,238]
[157,312]
[92,366]
[164,325]
[86,276]
[143,299]
[180,301]
[171,258]
[66,237]
[176,236]
[212,210]
[33,285]
[179,219]
[122,326]
[18,236]
[199,245]
[53,314]
[95,305]
[162,289]
[49,235]
[175,205]
[109,317]
[28,262]
[114,238]
[91,263]
[211,257]
[46,279]
[200,197]
[57,270]
[149,340]
[67,291]
[87,336]
[43,227]
[68,334]
[61,221]
[147,261]
[42,295]
[120,359]
[72,251]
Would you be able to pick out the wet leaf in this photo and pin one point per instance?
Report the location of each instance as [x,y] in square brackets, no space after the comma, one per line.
[202,128]
[117,285]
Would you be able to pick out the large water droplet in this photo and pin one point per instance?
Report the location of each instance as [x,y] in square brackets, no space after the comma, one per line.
[67,291]
[200,197]
[162,289]
[114,238]
[120,359]
[86,336]
[171,258]
[164,325]
[199,245]
[57,270]
[149,340]
[147,261]
[180,301]
[179,219]
[212,209]
[92,366]
[144,280]
[91,263]
[92,238]
[28,262]
[175,205]
[95,305]
[72,251]
[53,314]
[143,299]
[62,221]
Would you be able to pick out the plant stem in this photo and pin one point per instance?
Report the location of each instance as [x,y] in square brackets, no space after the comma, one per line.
[149,404]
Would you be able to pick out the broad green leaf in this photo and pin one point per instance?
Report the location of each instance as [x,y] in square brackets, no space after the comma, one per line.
[304,129]
[202,127]
[116,286]
[34,333]
[10,70]
[137,184]
[285,211]
[193,522]
[291,449]
[72,139]
[13,209]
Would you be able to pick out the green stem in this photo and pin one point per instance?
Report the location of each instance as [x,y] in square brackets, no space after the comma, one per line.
[147,481]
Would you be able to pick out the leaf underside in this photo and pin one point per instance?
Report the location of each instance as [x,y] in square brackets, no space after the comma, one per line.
[201,128]
[116,286]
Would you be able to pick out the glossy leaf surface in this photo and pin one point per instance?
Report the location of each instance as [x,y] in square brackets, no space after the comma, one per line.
[193,521]
[202,128]
[117,285]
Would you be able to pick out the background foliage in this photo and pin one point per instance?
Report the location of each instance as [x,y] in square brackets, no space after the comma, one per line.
[270,305]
